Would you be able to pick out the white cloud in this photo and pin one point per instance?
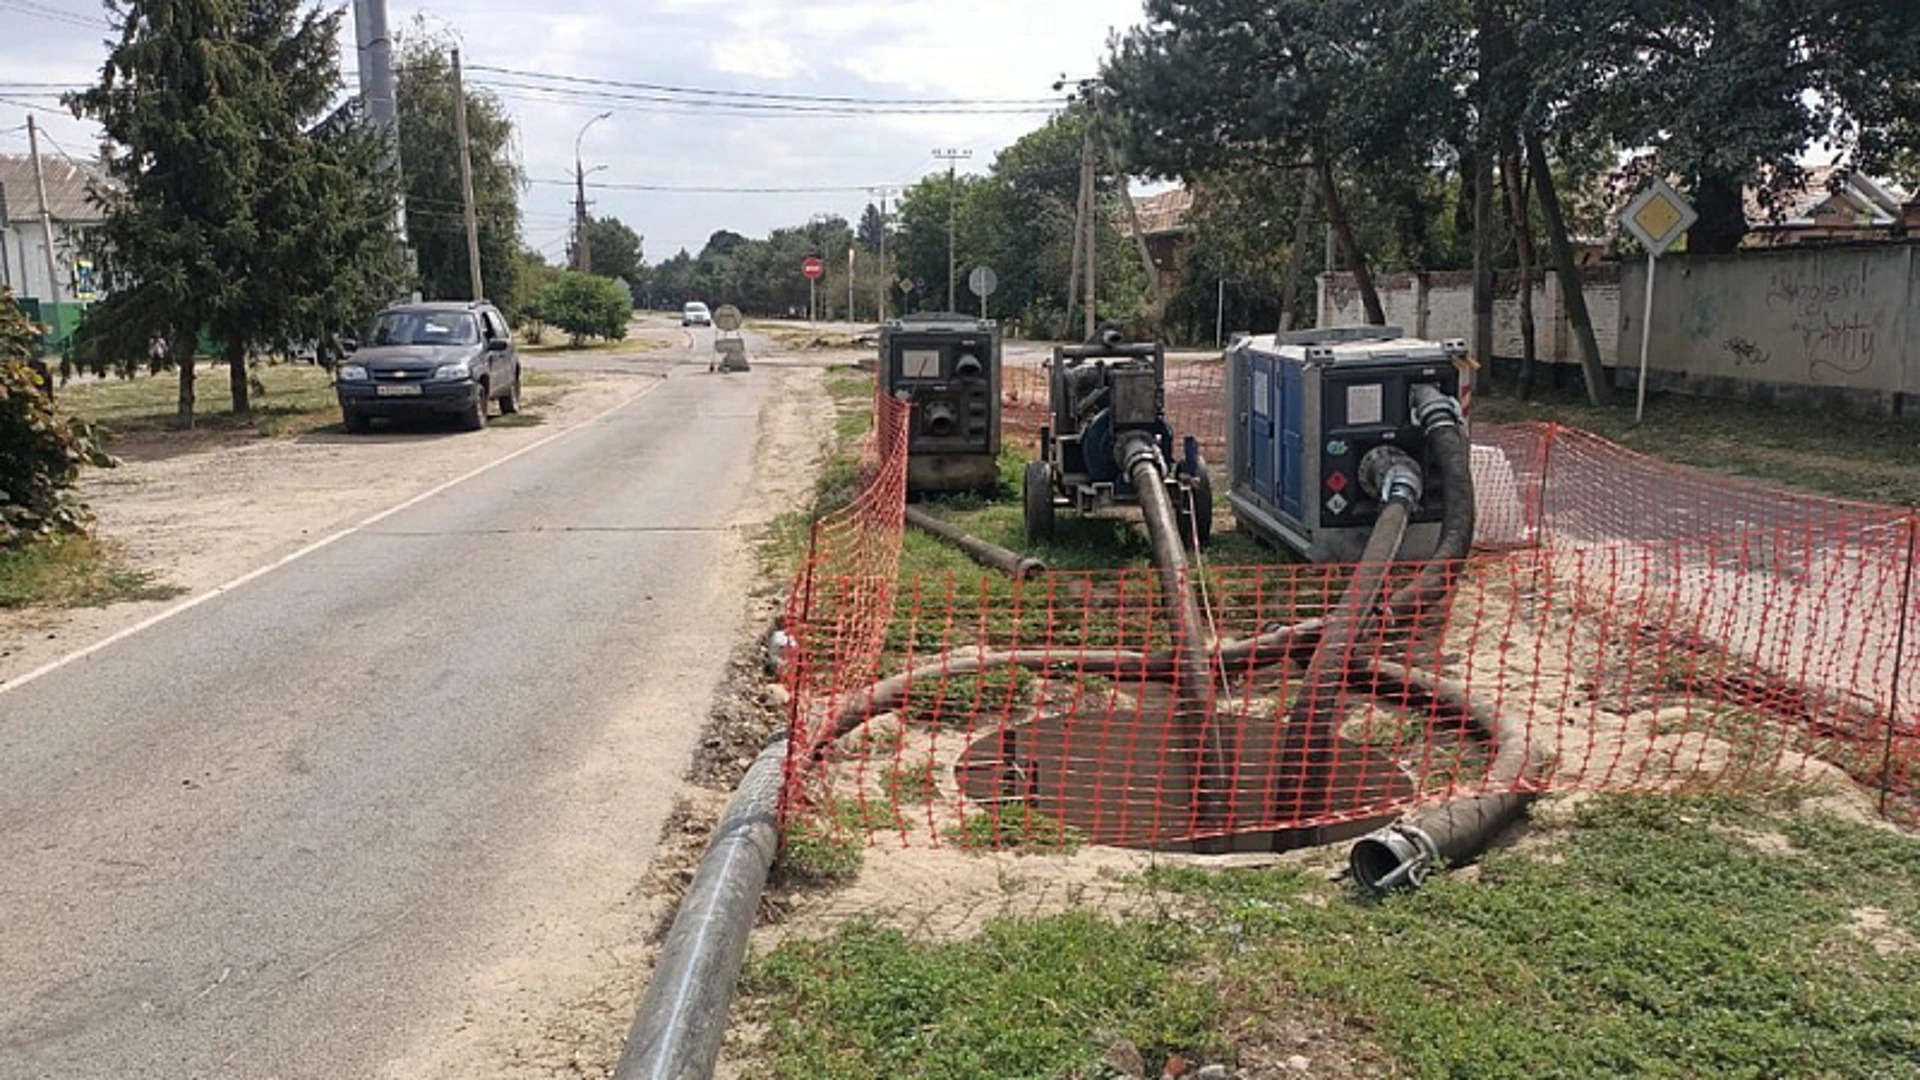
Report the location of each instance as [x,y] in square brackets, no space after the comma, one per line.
[764,58]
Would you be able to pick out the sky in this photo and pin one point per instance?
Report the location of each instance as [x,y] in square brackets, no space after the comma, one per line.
[972,51]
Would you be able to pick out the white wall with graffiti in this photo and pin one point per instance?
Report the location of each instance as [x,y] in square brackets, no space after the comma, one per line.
[1833,318]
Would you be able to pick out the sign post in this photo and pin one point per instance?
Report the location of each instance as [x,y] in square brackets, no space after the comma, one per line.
[813,268]
[1657,217]
[983,281]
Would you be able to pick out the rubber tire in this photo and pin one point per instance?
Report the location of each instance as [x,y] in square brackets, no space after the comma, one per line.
[354,422]
[1201,526]
[475,418]
[1036,494]
[510,401]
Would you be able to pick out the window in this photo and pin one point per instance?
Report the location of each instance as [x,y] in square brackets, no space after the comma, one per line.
[425,328]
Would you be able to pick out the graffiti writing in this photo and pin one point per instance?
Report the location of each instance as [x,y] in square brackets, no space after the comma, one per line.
[1746,353]
[1814,293]
[1845,343]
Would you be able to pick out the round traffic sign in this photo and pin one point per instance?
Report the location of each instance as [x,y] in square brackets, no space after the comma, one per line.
[983,281]
[813,267]
[726,317]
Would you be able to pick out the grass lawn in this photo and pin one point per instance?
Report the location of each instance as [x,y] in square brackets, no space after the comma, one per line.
[1632,938]
[72,571]
[1832,453]
[298,398]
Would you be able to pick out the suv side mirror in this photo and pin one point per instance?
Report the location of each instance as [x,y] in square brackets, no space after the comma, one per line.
[498,344]
[349,346]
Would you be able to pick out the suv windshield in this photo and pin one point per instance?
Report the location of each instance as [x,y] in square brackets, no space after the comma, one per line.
[425,328]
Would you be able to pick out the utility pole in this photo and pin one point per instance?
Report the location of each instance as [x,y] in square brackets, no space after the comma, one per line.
[46,218]
[886,284]
[951,157]
[582,251]
[379,100]
[466,180]
[850,248]
[1087,218]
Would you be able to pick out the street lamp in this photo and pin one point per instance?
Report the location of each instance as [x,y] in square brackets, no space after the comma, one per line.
[580,253]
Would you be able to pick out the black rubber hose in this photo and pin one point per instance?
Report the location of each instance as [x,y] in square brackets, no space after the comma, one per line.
[1400,856]
[1313,723]
[987,554]
[1140,459]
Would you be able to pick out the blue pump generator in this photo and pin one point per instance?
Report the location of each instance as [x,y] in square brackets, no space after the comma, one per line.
[1316,414]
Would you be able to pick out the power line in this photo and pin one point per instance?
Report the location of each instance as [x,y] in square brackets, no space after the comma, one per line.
[755,95]
[704,190]
[756,108]
[54,14]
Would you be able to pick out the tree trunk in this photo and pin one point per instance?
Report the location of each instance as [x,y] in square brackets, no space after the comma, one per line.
[237,376]
[1723,218]
[180,350]
[1522,223]
[1302,237]
[1598,390]
[1483,258]
[1343,234]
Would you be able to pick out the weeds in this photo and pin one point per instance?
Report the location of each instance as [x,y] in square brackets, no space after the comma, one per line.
[70,572]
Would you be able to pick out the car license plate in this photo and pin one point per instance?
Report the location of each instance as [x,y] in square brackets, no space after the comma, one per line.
[397,391]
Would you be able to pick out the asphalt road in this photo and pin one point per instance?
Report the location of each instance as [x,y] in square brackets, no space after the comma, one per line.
[275,836]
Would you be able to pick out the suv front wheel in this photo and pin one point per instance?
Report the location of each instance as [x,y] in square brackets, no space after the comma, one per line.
[475,418]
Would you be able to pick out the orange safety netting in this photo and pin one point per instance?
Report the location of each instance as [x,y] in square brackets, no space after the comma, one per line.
[1627,625]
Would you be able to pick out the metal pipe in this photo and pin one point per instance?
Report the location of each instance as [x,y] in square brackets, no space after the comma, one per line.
[1402,855]
[677,1032]
[987,554]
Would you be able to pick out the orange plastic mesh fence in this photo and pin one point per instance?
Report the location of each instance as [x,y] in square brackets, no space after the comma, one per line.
[1629,625]
[1196,403]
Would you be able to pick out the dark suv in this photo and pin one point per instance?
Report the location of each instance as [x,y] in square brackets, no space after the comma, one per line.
[446,358]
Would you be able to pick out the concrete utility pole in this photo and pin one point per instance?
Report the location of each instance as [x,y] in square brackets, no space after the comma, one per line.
[951,157]
[581,245]
[850,248]
[466,180]
[377,95]
[885,278]
[46,217]
[1089,195]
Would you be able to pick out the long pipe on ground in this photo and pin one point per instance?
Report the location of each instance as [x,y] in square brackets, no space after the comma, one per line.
[677,1032]
[1401,855]
[987,554]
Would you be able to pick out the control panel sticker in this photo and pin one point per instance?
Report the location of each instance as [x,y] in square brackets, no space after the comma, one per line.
[1262,393]
[920,363]
[1366,404]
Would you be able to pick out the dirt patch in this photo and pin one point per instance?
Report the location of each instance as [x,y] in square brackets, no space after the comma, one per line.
[1294,1041]
[1876,927]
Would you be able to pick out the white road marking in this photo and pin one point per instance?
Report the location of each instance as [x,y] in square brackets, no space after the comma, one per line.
[327,541]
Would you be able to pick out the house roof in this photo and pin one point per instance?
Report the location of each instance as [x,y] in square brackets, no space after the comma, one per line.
[1862,199]
[67,189]
[1165,212]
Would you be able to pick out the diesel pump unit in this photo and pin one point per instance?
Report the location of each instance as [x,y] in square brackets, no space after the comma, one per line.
[1321,419]
[948,368]
[1107,438]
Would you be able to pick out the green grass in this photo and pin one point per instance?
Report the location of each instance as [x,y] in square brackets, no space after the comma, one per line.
[555,343]
[72,571]
[1827,452]
[1015,827]
[962,698]
[784,545]
[1650,938]
[519,419]
[1025,999]
[825,842]
[908,785]
[290,400]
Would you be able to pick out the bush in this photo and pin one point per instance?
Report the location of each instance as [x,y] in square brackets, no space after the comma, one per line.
[40,451]
[586,305]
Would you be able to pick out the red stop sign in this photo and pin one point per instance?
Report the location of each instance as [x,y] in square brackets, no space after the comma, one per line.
[813,268]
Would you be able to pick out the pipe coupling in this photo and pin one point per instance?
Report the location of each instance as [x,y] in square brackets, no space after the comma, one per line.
[1433,409]
[1396,857]
[1138,449]
[1389,474]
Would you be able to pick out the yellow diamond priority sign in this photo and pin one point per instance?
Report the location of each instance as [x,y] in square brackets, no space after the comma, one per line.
[1658,217]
